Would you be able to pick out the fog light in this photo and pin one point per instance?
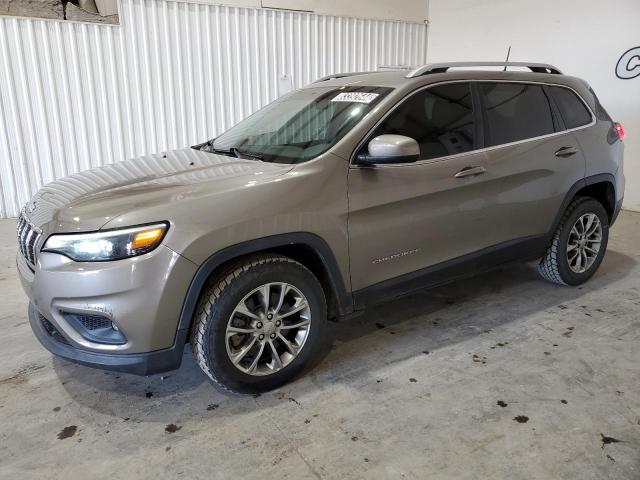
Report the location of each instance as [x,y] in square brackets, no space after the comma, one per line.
[95,328]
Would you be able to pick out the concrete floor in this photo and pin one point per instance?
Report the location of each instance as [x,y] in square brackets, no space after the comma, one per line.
[502,376]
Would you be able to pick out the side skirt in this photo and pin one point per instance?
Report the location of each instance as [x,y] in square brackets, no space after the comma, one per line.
[524,249]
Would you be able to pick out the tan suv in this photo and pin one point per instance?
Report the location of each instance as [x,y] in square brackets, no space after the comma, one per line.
[353,190]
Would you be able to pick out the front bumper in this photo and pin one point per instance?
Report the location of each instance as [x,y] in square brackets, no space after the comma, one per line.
[140,297]
[136,363]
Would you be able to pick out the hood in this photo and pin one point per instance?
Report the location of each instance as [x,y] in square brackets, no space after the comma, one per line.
[91,199]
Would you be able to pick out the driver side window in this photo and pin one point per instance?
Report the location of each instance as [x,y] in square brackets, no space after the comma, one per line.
[439,118]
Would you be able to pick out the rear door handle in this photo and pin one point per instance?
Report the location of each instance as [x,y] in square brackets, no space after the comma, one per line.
[469,171]
[566,152]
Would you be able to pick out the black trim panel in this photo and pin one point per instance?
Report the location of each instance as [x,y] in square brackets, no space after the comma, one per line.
[579,185]
[528,248]
[616,211]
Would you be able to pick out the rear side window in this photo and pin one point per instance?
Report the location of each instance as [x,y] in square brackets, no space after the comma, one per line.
[515,111]
[574,112]
[439,118]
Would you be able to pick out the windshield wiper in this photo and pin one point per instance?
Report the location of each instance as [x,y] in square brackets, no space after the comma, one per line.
[238,153]
[210,149]
[232,152]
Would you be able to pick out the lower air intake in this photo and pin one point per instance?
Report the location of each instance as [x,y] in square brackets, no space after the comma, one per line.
[95,328]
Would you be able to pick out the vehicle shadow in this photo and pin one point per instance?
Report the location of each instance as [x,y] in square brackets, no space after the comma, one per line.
[414,325]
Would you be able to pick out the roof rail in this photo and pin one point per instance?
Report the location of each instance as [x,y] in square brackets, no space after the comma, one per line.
[443,67]
[339,75]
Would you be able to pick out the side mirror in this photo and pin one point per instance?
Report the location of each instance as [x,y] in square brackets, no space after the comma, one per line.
[386,149]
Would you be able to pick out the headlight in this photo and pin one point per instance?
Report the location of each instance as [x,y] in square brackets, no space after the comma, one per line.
[107,245]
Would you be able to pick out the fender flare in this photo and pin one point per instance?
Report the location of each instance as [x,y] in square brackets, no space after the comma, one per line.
[313,241]
[579,185]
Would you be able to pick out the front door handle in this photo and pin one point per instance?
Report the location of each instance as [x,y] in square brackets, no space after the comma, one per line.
[566,152]
[469,171]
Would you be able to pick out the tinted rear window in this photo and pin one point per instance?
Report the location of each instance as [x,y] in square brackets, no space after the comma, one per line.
[574,112]
[439,118]
[516,112]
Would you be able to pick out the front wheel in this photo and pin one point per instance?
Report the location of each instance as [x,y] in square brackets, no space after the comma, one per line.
[578,245]
[259,324]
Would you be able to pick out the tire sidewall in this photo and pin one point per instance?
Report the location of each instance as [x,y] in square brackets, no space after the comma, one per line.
[216,354]
[569,276]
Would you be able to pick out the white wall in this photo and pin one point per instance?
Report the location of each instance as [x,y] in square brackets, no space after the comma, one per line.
[584,38]
[76,96]
[406,10]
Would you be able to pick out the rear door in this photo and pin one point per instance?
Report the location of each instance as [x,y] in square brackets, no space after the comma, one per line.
[532,159]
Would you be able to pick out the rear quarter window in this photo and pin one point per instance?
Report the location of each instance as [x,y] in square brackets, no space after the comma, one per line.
[515,111]
[573,110]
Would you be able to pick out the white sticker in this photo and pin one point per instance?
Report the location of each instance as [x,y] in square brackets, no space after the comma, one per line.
[358,97]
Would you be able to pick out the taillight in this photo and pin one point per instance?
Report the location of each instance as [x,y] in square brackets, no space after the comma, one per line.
[619,130]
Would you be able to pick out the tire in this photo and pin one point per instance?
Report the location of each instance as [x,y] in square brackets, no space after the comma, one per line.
[556,266]
[239,290]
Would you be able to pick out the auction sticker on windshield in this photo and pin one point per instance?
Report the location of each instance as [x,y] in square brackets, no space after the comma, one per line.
[359,97]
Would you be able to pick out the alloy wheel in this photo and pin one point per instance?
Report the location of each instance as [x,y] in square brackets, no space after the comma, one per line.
[268,329]
[584,242]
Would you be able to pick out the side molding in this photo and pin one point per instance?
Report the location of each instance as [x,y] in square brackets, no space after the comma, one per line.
[527,248]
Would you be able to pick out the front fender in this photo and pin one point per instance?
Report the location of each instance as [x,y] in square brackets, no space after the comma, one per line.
[310,240]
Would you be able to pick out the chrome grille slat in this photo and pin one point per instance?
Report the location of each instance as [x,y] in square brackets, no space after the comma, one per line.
[28,238]
[27,245]
[23,237]
[36,239]
[21,226]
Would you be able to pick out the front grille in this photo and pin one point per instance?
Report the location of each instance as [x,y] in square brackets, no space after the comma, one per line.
[28,238]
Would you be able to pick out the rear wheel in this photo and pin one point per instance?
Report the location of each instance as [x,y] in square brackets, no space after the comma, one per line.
[259,324]
[578,245]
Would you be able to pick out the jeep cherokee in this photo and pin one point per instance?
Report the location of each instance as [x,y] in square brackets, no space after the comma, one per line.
[353,190]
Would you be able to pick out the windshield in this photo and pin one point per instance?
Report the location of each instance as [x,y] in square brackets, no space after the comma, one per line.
[300,125]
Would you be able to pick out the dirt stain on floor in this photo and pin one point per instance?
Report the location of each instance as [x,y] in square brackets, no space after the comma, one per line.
[608,440]
[521,419]
[67,432]
[478,359]
[22,375]
[172,428]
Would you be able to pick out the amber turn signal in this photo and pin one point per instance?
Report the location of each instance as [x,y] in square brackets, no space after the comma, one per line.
[147,238]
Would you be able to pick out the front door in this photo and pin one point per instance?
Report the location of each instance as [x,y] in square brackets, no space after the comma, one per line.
[403,218]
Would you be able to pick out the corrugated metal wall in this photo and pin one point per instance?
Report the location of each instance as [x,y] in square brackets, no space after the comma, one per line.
[76,96]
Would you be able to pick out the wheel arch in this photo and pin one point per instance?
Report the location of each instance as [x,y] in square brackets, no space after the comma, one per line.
[306,248]
[603,191]
[601,187]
